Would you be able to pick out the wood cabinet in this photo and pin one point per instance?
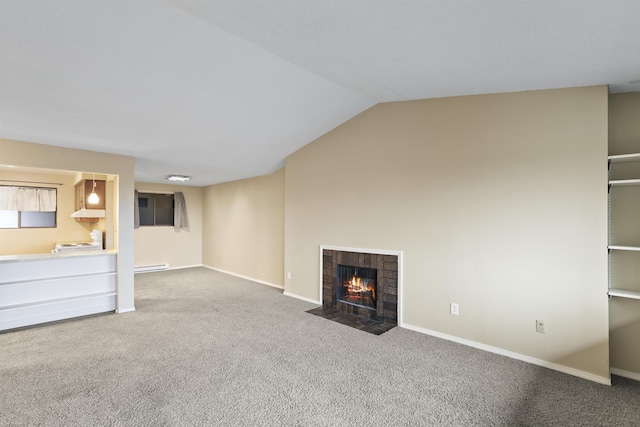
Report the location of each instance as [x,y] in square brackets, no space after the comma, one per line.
[83,190]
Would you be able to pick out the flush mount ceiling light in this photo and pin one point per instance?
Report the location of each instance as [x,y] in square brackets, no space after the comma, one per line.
[178,178]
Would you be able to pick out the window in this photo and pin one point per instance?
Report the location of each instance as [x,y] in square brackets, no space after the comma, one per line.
[27,207]
[156,209]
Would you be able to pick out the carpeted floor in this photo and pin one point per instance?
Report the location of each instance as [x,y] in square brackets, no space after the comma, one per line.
[205,348]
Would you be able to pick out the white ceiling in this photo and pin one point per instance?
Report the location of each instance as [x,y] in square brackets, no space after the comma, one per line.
[224,90]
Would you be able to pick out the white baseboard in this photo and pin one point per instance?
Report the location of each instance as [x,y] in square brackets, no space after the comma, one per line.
[150,268]
[626,374]
[160,267]
[546,364]
[163,267]
[262,282]
[186,266]
[288,294]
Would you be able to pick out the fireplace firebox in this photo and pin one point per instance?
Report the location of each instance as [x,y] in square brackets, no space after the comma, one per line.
[357,285]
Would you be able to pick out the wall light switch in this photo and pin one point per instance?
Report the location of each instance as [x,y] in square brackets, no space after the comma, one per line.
[289,275]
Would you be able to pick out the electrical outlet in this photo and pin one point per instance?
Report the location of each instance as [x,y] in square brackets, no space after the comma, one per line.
[540,326]
[454,309]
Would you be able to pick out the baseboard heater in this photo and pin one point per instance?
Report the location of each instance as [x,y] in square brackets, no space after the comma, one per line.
[150,268]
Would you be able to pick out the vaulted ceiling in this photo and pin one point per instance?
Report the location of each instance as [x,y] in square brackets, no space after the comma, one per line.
[224,90]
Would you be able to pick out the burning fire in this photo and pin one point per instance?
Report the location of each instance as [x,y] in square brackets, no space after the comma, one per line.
[355,286]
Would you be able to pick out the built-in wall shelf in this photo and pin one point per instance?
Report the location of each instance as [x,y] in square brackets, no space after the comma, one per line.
[622,158]
[623,248]
[622,293]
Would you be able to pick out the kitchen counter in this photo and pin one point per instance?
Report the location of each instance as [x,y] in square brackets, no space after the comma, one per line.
[70,254]
[39,288]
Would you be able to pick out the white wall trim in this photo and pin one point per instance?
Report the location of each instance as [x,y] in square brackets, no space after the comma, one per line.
[152,268]
[545,364]
[168,193]
[180,267]
[375,252]
[288,294]
[363,250]
[626,374]
[186,266]
[262,282]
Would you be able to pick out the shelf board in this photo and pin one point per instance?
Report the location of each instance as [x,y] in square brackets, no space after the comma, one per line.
[623,248]
[623,182]
[622,158]
[622,293]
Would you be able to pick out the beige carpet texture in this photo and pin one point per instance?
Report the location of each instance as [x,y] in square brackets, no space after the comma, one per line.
[204,348]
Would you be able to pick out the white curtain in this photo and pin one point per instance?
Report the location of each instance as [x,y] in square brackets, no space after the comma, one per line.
[8,198]
[28,199]
[180,219]
[47,200]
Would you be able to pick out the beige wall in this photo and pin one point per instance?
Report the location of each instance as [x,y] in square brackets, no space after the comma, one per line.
[624,138]
[178,248]
[498,203]
[27,154]
[243,228]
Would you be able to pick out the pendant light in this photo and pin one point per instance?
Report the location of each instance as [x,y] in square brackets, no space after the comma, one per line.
[93,197]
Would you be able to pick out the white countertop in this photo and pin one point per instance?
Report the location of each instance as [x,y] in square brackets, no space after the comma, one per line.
[69,254]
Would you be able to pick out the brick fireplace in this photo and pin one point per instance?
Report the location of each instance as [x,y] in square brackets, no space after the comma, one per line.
[376,296]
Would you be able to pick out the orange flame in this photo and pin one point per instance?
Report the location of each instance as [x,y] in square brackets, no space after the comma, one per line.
[355,285]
